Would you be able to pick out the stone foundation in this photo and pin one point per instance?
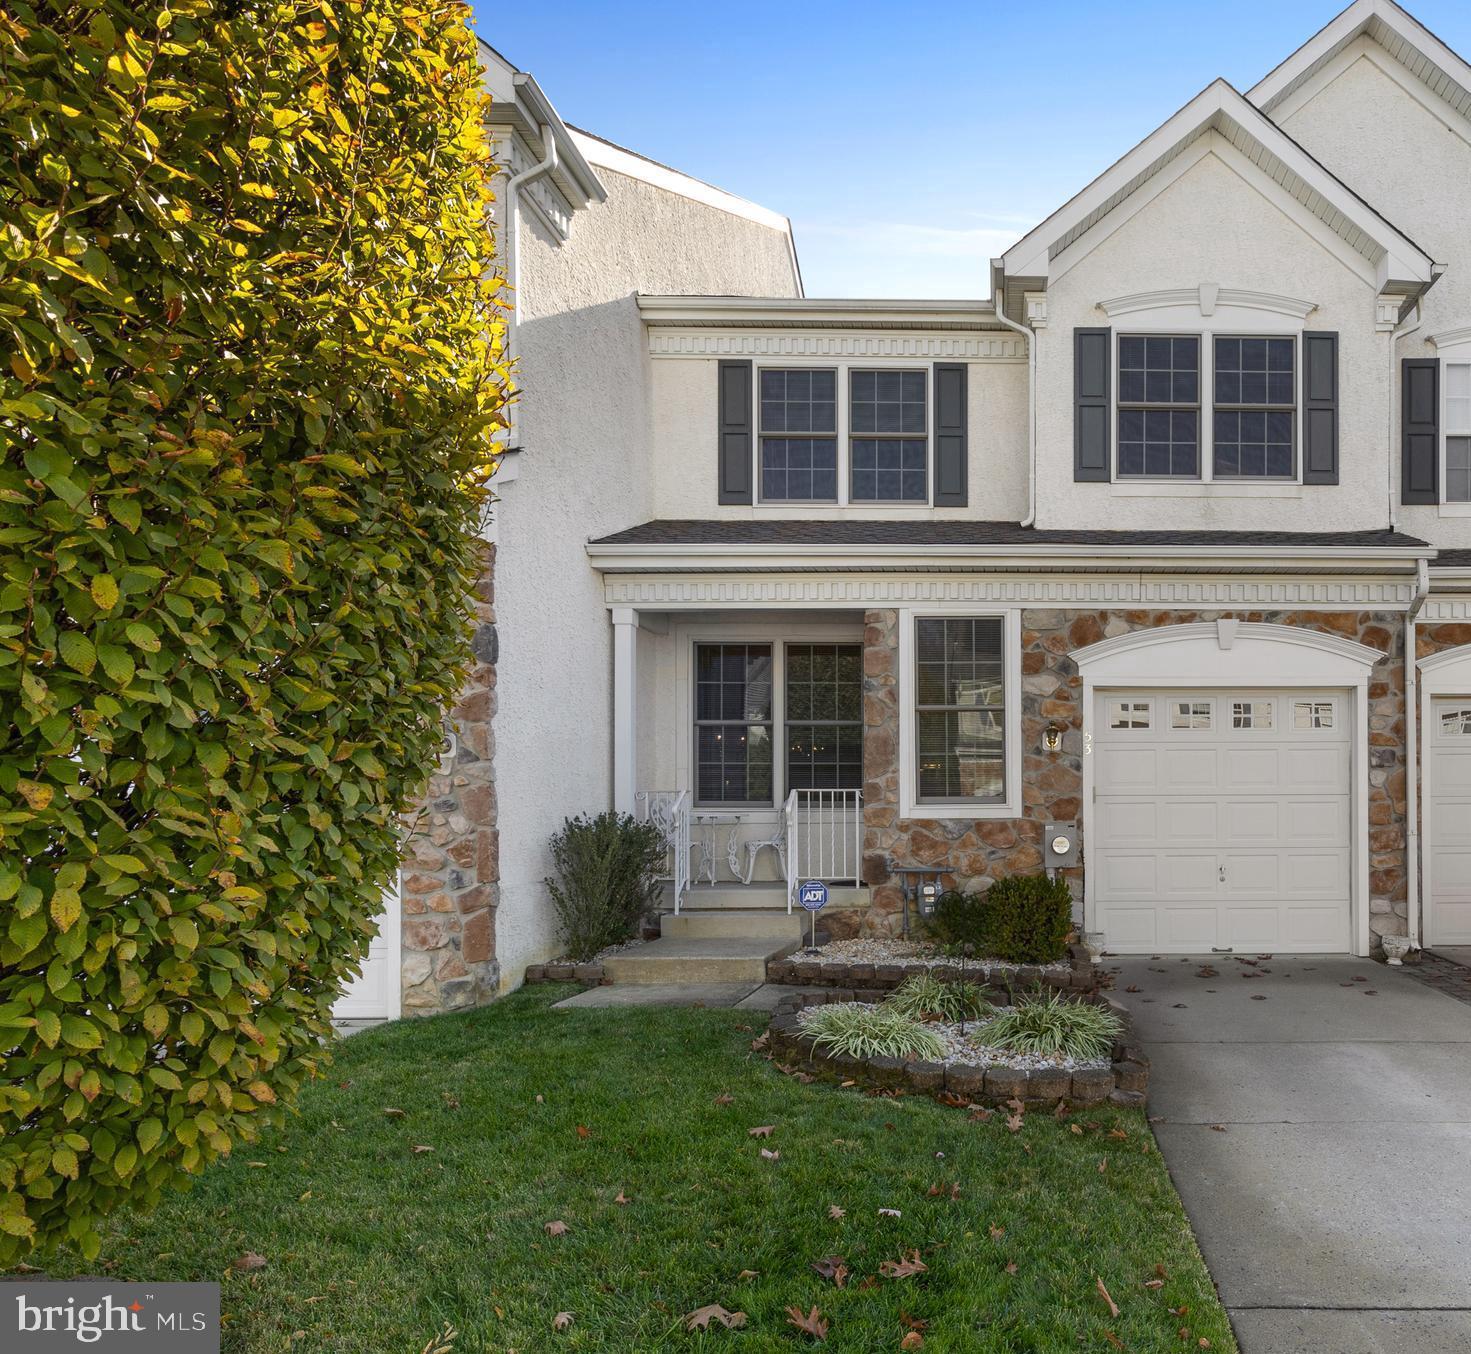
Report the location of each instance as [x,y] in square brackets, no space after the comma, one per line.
[451,866]
[973,854]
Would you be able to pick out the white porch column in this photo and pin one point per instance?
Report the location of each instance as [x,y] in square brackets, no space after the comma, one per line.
[625,708]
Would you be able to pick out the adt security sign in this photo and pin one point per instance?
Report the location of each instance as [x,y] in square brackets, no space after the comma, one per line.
[813,895]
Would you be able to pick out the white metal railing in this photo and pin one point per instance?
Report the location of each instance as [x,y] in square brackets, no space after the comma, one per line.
[824,831]
[669,811]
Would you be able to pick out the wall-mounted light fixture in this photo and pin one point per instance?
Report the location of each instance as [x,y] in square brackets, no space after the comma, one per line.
[1052,737]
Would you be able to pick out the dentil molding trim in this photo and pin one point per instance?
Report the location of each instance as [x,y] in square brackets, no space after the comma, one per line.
[794,343]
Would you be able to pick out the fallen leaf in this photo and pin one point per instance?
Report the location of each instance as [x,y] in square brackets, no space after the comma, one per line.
[1014,1122]
[1113,1339]
[621,1198]
[913,1322]
[749,1274]
[745,1029]
[539,1100]
[561,1321]
[391,1113]
[890,1213]
[914,1340]
[1204,1343]
[1160,1273]
[762,1130]
[1154,1283]
[701,1317]
[1113,1307]
[906,1268]
[249,1261]
[812,1324]
[1075,1128]
[1218,1128]
[832,1267]
[1011,1266]
[421,1148]
[556,1228]
[834,1212]
[1119,1134]
[1132,988]
[1102,1165]
[724,1098]
[450,1101]
[770,1155]
[583,1131]
[996,1232]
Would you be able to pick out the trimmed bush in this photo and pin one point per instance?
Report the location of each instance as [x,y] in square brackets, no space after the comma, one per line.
[870,1031]
[924,995]
[1024,919]
[253,366]
[607,880]
[1053,1026]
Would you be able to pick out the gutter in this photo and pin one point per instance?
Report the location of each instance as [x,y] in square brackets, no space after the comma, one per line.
[1031,339]
[1412,743]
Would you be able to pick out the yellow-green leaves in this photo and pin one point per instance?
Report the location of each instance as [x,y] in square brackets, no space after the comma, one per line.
[254,359]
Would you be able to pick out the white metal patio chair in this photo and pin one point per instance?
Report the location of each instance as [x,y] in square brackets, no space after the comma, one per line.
[745,869]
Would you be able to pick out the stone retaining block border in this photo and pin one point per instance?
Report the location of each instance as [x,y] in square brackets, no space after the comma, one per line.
[799,971]
[589,975]
[1124,1084]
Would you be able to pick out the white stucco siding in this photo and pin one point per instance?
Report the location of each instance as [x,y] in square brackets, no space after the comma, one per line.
[1216,224]
[685,448]
[584,425]
[1409,154]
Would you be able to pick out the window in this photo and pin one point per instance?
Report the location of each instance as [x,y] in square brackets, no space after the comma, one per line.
[1190,715]
[1455,722]
[960,709]
[1312,714]
[1251,714]
[1458,432]
[1128,714]
[824,716]
[1159,406]
[733,724]
[888,427]
[1255,407]
[799,436]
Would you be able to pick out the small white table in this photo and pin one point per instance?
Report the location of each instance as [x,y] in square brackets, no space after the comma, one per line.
[706,836]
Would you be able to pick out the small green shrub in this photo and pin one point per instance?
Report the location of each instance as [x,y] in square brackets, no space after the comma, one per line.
[607,882]
[926,995]
[871,1032]
[1025,919]
[1053,1026]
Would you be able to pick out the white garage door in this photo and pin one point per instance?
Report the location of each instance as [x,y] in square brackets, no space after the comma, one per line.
[375,993]
[1449,736]
[1221,820]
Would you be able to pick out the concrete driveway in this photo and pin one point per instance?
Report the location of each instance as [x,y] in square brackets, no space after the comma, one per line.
[1316,1118]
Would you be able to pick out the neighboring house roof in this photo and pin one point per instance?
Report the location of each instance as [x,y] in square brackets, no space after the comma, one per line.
[1399,262]
[1452,559]
[1400,34]
[853,531]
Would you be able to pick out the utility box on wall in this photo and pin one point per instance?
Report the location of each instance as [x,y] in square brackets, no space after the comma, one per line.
[1059,845]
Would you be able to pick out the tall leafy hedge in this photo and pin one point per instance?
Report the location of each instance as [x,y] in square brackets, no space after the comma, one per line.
[251,368]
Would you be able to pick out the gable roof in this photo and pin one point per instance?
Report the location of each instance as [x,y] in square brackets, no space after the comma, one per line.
[1400,34]
[1399,262]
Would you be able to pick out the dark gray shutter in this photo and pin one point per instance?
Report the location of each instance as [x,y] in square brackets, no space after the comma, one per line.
[950,440]
[1419,430]
[1319,407]
[1092,351]
[735,432]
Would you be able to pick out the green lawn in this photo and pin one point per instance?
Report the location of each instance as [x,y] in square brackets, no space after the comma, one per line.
[537,1116]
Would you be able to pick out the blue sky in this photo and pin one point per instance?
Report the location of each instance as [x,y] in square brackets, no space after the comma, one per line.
[908,145]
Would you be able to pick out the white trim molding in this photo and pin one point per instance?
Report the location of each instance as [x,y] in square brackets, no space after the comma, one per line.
[1243,655]
[857,344]
[1206,299]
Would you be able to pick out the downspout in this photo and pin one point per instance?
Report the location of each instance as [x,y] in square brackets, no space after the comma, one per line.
[514,184]
[1412,743]
[1031,339]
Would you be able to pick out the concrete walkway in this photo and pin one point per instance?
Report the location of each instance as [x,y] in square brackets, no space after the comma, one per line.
[1316,1118]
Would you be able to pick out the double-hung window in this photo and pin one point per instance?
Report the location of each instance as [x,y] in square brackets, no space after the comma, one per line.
[1457,432]
[848,434]
[888,436]
[1234,418]
[960,709]
[1255,404]
[733,724]
[1159,406]
[824,716]
[799,435]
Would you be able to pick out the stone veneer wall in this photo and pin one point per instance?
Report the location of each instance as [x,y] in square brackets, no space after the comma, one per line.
[974,854]
[451,866]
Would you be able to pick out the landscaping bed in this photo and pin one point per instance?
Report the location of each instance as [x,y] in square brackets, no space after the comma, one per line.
[881,965]
[986,1076]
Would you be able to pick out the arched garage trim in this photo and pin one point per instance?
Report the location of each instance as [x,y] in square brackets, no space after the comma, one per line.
[1244,654]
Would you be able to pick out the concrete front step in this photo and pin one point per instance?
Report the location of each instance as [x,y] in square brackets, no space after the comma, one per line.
[734,921]
[710,959]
